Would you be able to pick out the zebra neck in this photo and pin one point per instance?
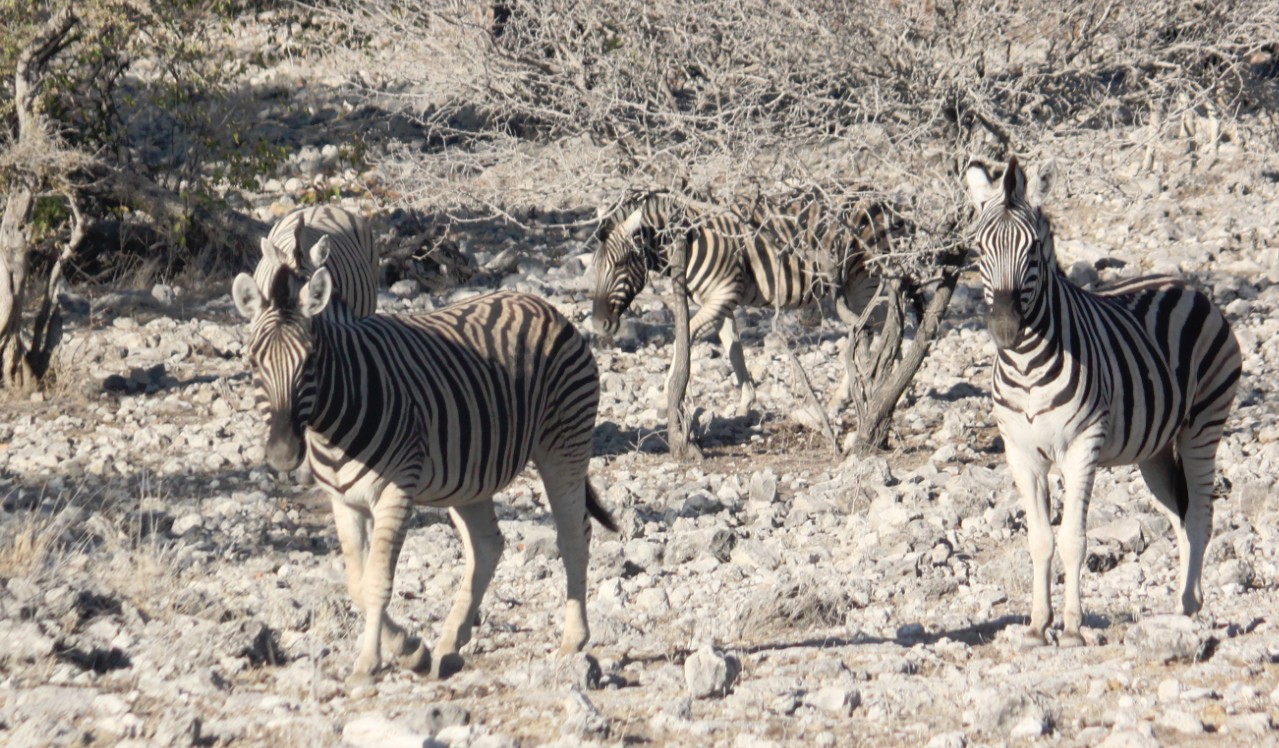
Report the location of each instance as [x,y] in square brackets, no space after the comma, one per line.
[334,375]
[1041,330]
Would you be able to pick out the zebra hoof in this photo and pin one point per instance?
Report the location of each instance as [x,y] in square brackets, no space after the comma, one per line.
[1069,639]
[446,665]
[360,680]
[418,658]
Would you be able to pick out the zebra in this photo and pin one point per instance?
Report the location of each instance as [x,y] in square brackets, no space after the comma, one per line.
[783,254]
[441,409]
[1141,371]
[347,242]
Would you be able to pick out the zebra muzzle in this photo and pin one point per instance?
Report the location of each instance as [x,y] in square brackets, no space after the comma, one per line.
[604,322]
[284,449]
[1005,321]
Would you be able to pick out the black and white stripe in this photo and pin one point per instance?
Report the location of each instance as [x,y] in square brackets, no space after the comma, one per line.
[441,409]
[1143,371]
[781,254]
[351,251]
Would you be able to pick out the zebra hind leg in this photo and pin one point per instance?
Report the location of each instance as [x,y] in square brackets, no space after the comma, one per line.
[483,543]
[732,344]
[566,494]
[1165,477]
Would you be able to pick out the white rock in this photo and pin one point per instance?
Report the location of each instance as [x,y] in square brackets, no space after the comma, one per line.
[834,699]
[709,673]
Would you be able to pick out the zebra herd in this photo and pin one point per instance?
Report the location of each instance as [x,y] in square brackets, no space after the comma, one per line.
[446,408]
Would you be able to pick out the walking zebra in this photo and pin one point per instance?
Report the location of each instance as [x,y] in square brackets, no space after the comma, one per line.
[1143,371]
[441,409]
[347,242]
[781,255]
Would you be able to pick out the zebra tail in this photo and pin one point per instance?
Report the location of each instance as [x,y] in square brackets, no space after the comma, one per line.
[597,509]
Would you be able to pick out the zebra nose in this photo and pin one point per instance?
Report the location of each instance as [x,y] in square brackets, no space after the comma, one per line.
[283,445]
[1005,319]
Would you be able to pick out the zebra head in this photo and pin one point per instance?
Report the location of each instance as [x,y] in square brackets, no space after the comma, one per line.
[1015,247]
[281,340]
[621,270]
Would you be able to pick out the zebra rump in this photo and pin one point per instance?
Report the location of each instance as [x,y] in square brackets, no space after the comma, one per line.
[352,254]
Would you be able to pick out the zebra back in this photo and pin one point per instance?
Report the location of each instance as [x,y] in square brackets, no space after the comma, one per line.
[801,248]
[353,256]
[452,403]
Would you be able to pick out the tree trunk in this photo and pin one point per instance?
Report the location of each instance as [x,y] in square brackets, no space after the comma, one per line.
[890,376]
[15,365]
[16,371]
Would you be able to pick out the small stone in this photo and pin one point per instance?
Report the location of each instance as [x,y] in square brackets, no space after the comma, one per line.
[186,523]
[1029,727]
[373,730]
[1256,723]
[710,673]
[1169,691]
[763,487]
[164,294]
[1180,721]
[1168,638]
[583,670]
[948,740]
[834,699]
[582,719]
[406,288]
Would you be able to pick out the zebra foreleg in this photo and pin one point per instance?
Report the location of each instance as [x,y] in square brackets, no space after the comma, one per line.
[352,527]
[1031,477]
[483,543]
[1079,469]
[390,514]
[732,343]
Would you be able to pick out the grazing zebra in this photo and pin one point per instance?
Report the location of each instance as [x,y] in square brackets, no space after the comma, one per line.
[441,409]
[1142,371]
[344,237]
[781,255]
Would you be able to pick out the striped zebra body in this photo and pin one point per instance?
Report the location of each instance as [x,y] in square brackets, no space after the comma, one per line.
[440,409]
[352,253]
[785,255]
[1142,371]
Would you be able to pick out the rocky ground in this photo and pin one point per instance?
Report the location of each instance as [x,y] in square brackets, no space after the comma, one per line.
[162,586]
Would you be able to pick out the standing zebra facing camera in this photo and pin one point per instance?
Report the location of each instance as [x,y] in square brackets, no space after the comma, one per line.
[342,236]
[785,254]
[1141,371]
[441,409]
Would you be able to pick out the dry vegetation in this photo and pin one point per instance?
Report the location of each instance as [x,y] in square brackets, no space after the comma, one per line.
[494,137]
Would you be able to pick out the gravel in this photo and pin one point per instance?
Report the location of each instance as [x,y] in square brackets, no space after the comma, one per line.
[161,585]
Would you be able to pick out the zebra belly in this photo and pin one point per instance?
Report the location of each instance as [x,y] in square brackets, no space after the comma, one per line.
[421,469]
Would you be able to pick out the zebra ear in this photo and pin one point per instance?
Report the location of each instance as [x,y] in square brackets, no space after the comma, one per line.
[981,189]
[1042,184]
[269,252]
[314,296]
[320,252]
[1014,183]
[247,296]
